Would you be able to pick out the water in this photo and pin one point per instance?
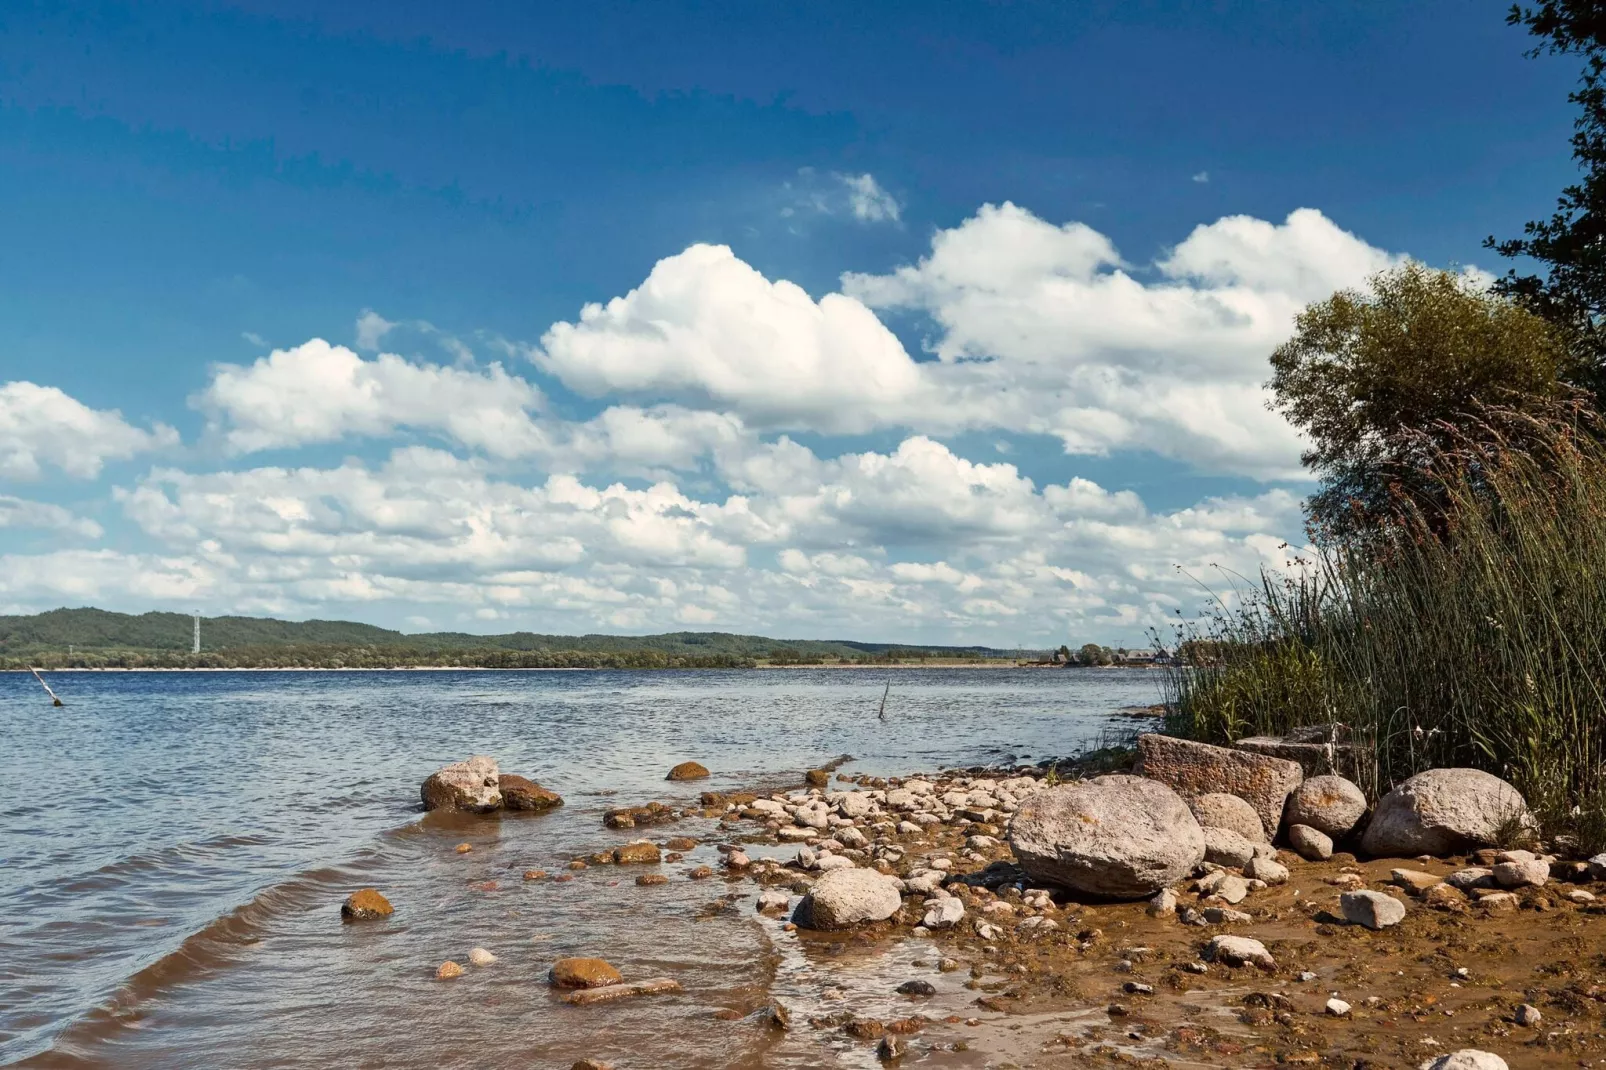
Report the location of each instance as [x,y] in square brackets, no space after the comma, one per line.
[176,846]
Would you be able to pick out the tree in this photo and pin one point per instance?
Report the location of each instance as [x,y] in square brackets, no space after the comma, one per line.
[1572,242]
[1381,380]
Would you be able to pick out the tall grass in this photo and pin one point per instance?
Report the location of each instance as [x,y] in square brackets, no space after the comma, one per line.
[1470,632]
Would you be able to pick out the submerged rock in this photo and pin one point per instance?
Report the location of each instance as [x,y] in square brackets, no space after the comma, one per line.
[687,771]
[606,993]
[848,897]
[642,851]
[583,973]
[471,785]
[480,957]
[521,793]
[1445,811]
[1194,769]
[366,904]
[1328,804]
[1120,836]
[448,970]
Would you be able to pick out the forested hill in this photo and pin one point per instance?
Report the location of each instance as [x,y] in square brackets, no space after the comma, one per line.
[92,637]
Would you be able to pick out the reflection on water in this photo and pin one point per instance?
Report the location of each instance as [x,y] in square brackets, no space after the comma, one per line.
[176,847]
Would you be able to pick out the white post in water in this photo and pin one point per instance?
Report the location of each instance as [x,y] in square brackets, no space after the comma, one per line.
[197,648]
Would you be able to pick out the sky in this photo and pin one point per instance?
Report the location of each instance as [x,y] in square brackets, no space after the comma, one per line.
[941,323]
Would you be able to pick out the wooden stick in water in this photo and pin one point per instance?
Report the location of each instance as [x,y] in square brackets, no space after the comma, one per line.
[54,701]
[883,714]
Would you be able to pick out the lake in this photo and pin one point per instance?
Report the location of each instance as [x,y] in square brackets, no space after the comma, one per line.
[176,847]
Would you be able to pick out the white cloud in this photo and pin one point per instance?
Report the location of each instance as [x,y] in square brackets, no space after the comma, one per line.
[706,327]
[40,426]
[19,513]
[317,392]
[868,201]
[371,330]
[1202,177]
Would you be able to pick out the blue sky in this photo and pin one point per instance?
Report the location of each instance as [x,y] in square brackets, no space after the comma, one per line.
[1042,252]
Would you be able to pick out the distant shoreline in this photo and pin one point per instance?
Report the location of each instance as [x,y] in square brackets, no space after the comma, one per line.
[558,668]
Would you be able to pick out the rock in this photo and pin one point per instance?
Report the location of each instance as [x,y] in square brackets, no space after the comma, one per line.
[1442,812]
[1328,804]
[629,817]
[1528,873]
[1529,1015]
[366,904]
[480,957]
[606,993]
[1314,749]
[829,862]
[1337,1008]
[854,804]
[1266,869]
[687,771]
[701,873]
[1444,897]
[944,913]
[1219,810]
[848,897]
[582,973]
[1371,909]
[917,988]
[1239,951]
[591,1064]
[1119,836]
[1163,903]
[1313,845]
[1466,1059]
[1471,877]
[1232,889]
[468,785]
[817,778]
[1578,895]
[1224,916]
[773,899]
[648,880]
[521,793]
[891,1049]
[1414,881]
[1194,769]
[1597,867]
[775,1015]
[1499,902]
[637,853]
[1225,847]
[448,970]
[535,874]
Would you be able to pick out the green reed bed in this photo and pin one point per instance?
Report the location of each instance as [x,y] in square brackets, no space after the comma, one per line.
[1471,632]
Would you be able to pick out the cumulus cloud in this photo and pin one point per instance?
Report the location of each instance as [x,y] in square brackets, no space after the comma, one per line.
[20,514]
[318,392]
[706,327]
[41,426]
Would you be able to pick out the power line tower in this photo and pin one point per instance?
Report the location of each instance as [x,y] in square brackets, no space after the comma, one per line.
[196,649]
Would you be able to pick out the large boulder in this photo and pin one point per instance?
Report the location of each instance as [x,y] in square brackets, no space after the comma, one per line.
[1194,769]
[687,771]
[1327,804]
[844,898]
[521,793]
[1220,810]
[471,785]
[1443,812]
[1120,836]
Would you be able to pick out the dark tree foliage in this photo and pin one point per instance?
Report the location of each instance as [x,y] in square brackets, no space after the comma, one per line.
[1571,244]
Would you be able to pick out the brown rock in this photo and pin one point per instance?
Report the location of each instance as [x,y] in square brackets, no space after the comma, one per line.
[865,1028]
[448,970]
[520,793]
[1193,769]
[635,853]
[366,904]
[591,1064]
[701,873]
[583,973]
[817,778]
[1414,881]
[464,848]
[687,771]
[535,874]
[680,843]
[648,879]
[629,817]
[1444,897]
[718,799]
[606,993]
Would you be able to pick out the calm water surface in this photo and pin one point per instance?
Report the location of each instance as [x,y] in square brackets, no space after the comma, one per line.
[176,845]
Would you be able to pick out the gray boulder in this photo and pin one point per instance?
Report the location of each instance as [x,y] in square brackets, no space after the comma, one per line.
[1371,909]
[1225,847]
[1466,1059]
[1444,811]
[1223,811]
[1120,836]
[473,785]
[1310,844]
[1239,951]
[1327,804]
[1194,769]
[844,898]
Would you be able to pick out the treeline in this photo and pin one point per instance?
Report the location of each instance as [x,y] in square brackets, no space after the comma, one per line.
[371,657]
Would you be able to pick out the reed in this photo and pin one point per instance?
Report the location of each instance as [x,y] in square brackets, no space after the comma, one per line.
[1469,634]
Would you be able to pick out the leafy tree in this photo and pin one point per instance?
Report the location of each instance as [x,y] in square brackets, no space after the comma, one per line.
[1379,380]
[1571,244]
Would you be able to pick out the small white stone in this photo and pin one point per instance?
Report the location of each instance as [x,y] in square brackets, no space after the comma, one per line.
[1337,1008]
[481,957]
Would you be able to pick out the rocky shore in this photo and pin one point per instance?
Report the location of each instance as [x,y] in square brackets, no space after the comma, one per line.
[1206,907]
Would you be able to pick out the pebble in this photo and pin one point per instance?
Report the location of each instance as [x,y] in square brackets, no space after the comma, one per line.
[649,879]
[917,988]
[535,874]
[480,957]
[701,873]
[464,848]
[448,970]
[1529,1015]
[1239,951]
[1337,1008]
[1136,988]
